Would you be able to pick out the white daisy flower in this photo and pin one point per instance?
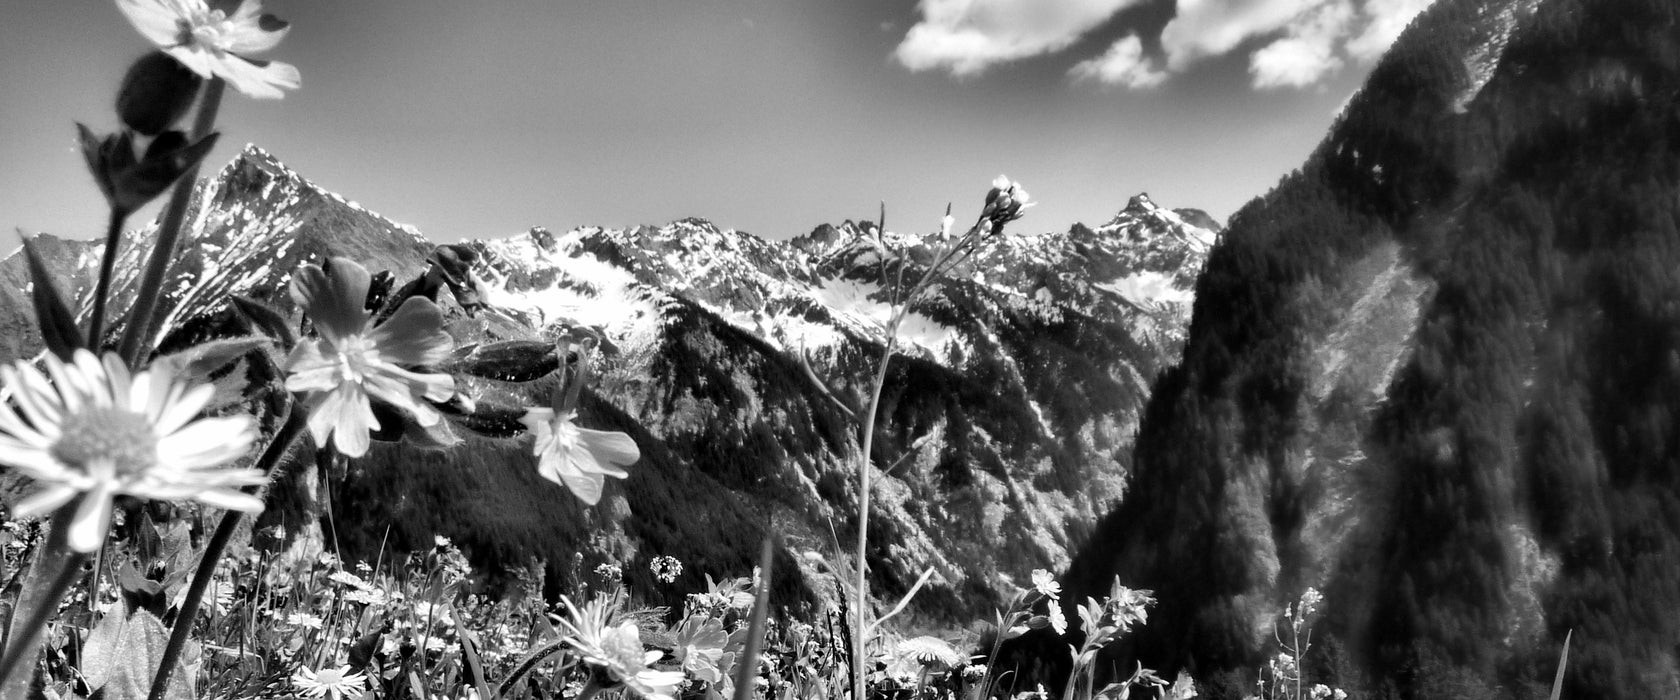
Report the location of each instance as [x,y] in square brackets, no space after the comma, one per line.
[98,432]
[329,682]
[214,43]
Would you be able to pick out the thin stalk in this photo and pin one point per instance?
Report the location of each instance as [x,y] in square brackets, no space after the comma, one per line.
[102,290]
[169,233]
[860,625]
[296,420]
[41,600]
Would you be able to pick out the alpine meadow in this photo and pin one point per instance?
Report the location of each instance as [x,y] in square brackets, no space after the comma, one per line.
[1403,426]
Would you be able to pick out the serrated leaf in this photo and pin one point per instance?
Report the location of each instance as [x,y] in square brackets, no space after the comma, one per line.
[198,362]
[266,320]
[52,314]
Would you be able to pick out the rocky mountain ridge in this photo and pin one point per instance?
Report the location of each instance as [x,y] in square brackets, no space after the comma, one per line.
[730,359]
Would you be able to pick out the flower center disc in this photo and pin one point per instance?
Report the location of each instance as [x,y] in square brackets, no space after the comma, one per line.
[125,438]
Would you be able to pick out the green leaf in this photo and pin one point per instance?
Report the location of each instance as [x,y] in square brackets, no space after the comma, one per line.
[198,362]
[57,321]
[266,320]
[507,361]
[123,651]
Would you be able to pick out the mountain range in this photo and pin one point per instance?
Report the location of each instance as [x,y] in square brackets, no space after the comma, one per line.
[737,364]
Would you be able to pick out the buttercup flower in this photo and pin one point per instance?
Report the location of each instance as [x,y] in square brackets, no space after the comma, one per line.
[329,682]
[353,360]
[617,649]
[214,43]
[97,431]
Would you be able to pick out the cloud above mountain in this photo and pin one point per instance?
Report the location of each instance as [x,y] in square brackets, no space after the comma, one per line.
[1288,43]
[968,36]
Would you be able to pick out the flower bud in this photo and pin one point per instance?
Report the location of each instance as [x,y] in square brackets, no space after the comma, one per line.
[156,93]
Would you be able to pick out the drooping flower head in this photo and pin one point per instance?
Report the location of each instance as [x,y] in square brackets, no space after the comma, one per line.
[354,361]
[616,649]
[578,458]
[329,682]
[212,42]
[99,432]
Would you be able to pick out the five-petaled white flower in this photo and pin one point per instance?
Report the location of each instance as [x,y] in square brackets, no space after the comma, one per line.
[578,458]
[617,649]
[329,682]
[212,42]
[98,432]
[1045,583]
[353,360]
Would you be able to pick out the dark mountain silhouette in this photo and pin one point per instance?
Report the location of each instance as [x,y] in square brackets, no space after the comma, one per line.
[1435,373]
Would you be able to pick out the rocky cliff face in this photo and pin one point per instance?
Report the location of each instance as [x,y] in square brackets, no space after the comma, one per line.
[734,362]
[1431,375]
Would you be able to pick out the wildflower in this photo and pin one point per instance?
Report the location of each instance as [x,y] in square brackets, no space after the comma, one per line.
[699,647]
[352,361]
[1320,692]
[666,568]
[1046,584]
[303,619]
[213,43]
[609,571]
[578,458]
[974,672]
[1005,202]
[98,432]
[329,682]
[930,652]
[1129,607]
[617,650]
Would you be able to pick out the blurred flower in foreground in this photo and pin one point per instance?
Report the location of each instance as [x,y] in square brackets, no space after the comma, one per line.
[329,682]
[578,458]
[212,42]
[352,360]
[96,431]
[617,649]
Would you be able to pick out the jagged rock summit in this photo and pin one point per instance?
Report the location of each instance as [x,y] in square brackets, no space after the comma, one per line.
[734,361]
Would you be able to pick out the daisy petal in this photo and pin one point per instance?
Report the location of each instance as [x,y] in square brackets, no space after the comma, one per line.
[230,500]
[44,501]
[93,518]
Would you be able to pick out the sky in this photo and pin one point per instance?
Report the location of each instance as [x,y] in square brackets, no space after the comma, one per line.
[481,119]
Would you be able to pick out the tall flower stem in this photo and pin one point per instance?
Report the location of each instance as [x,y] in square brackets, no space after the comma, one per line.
[942,263]
[55,570]
[296,420]
[169,232]
[102,290]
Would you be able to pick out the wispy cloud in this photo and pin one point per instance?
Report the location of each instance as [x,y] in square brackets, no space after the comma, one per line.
[1290,43]
[966,37]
